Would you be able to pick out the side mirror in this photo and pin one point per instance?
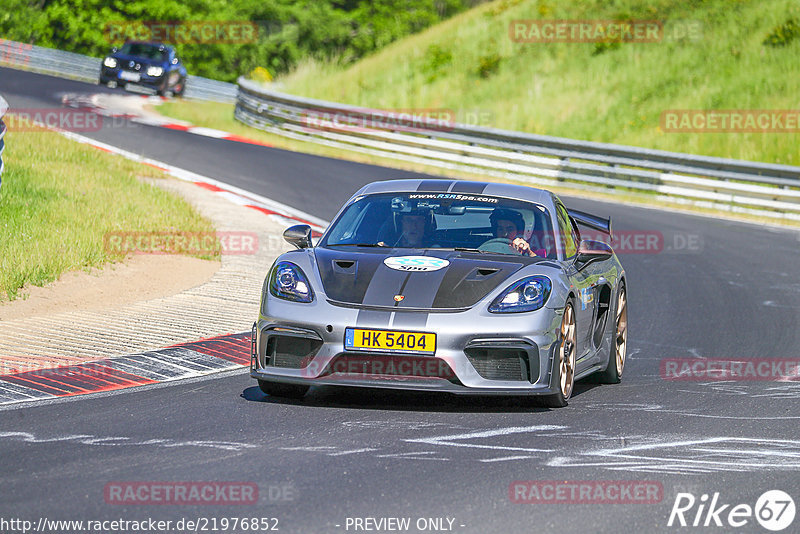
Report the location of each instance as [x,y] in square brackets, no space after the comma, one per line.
[298,235]
[590,251]
[175,61]
[114,49]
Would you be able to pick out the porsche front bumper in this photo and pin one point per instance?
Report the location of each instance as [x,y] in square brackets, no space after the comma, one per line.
[477,352]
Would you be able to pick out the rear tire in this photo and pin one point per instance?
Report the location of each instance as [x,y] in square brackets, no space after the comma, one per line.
[619,348]
[564,374]
[289,391]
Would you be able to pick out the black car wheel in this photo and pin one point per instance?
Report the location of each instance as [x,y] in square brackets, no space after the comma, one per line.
[180,88]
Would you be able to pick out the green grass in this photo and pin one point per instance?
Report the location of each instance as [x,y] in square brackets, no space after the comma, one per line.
[59,198]
[615,94]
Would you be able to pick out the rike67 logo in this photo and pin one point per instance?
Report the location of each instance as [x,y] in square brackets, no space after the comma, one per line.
[774,510]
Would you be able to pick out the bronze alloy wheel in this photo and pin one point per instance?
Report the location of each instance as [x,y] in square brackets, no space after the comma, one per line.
[567,352]
[621,336]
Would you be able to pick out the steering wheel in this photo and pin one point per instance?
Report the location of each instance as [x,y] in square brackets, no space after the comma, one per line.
[499,245]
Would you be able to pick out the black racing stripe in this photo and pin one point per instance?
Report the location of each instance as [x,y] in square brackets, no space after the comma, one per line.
[410,320]
[373,318]
[469,187]
[385,284]
[421,289]
[434,185]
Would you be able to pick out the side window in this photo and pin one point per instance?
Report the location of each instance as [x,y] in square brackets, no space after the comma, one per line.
[566,233]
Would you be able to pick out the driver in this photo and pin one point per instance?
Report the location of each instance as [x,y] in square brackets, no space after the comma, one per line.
[509,224]
[415,228]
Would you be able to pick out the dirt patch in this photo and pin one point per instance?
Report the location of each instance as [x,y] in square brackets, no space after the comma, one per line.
[139,278]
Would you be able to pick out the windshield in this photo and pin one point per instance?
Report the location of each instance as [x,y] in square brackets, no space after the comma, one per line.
[143,50]
[444,220]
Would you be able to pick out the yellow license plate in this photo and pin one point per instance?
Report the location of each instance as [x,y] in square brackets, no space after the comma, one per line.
[389,341]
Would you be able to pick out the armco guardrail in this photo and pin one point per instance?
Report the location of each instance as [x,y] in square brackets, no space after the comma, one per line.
[3,109]
[727,184]
[85,68]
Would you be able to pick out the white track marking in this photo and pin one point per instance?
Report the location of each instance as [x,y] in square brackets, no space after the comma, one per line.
[457,440]
[506,459]
[123,441]
[354,451]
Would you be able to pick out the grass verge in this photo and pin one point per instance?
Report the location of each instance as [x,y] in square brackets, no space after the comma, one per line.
[60,198]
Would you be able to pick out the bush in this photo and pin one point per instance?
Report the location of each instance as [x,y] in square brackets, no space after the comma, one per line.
[436,59]
[783,35]
[489,64]
[346,30]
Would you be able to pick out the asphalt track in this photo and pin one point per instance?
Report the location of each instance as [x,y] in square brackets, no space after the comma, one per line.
[716,289]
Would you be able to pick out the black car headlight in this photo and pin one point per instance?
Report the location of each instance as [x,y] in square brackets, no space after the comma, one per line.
[110,62]
[287,281]
[528,294]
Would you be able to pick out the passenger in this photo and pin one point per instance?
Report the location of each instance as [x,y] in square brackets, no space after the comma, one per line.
[509,224]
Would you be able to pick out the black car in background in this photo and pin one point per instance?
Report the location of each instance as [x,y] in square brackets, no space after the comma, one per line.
[146,64]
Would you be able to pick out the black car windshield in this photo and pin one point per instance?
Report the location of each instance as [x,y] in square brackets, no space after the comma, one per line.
[143,50]
[471,223]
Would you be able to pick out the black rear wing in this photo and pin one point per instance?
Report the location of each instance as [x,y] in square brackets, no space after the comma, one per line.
[592,221]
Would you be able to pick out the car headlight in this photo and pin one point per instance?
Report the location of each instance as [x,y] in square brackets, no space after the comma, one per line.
[287,281]
[526,295]
[110,62]
[154,71]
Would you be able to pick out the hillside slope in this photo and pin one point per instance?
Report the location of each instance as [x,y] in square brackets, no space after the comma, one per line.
[712,55]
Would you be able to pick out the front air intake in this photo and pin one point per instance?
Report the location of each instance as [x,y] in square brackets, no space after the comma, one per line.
[500,363]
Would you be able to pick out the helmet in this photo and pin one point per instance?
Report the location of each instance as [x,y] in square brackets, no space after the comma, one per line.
[430,220]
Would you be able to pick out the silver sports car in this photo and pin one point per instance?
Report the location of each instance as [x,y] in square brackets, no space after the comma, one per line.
[440,285]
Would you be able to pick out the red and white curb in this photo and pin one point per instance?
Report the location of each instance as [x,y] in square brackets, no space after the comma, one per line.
[92,102]
[185,360]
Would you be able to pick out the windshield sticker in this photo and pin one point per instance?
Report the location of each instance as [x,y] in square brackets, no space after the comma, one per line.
[454,196]
[417,264]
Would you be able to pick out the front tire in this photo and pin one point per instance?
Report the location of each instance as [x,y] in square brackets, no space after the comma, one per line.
[289,391]
[179,89]
[565,369]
